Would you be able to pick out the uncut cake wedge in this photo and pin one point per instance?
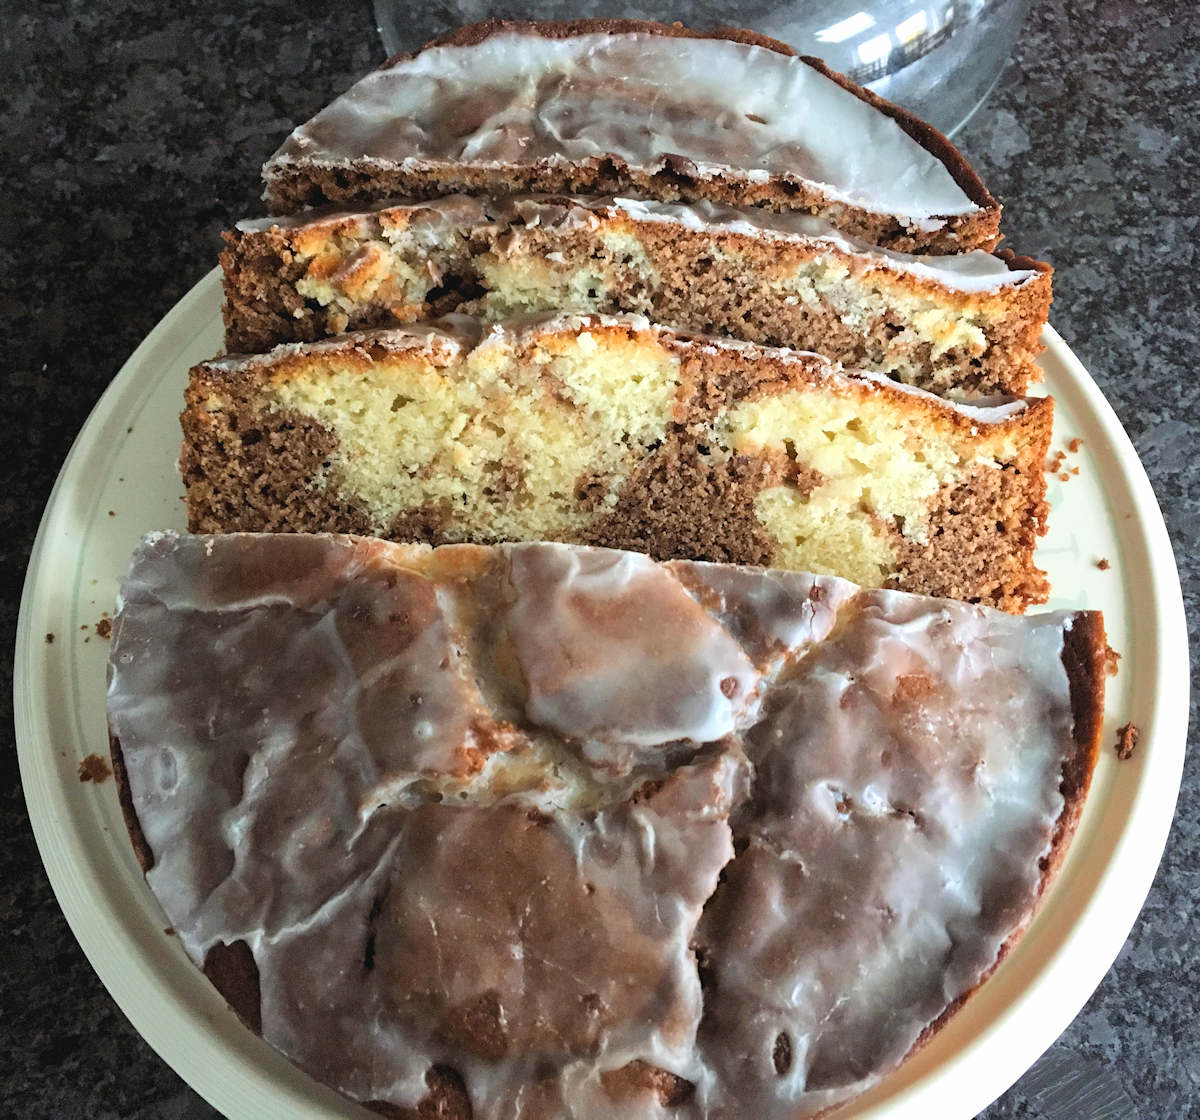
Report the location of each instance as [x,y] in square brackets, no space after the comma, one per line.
[551,831]
[613,431]
[962,325]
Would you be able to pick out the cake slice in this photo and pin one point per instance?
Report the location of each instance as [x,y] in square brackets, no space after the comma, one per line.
[625,106]
[967,324]
[612,431]
[552,831]
[314,274]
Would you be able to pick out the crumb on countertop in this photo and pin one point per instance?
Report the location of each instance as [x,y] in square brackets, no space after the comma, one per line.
[94,769]
[49,639]
[104,628]
[1127,740]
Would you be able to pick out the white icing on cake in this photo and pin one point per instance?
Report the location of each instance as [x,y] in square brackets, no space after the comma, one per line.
[584,655]
[725,109]
[892,791]
[868,825]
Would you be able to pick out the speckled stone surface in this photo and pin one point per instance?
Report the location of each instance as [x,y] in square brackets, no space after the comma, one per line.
[132,134]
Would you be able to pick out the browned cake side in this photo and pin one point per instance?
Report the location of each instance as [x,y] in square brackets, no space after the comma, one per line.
[290,189]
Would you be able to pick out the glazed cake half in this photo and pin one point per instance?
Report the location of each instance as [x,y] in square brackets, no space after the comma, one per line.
[551,831]
[629,107]
[613,431]
[967,324]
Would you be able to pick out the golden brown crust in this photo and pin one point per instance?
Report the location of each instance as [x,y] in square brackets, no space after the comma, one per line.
[1085,658]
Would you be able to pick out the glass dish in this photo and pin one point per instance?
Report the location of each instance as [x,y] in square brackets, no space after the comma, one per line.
[938,59]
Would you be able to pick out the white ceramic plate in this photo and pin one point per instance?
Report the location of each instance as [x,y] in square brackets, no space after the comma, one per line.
[120,481]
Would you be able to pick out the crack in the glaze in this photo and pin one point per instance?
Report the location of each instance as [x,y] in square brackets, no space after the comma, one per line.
[373,914]
[794,665]
[436,942]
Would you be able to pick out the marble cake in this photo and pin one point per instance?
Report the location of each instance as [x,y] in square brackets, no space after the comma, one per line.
[540,830]
[968,324]
[614,431]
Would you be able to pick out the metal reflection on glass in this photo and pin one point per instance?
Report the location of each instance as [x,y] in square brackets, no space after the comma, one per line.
[938,58]
[846,28]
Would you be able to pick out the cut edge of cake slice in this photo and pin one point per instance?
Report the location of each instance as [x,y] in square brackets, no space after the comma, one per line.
[614,431]
[962,325]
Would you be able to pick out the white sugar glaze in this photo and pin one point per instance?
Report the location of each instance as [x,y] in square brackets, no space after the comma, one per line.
[584,656]
[728,109]
[295,715]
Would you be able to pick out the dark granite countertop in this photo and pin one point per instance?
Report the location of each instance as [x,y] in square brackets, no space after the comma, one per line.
[133,135]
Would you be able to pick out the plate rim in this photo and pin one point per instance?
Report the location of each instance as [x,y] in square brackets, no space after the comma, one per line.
[95,923]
